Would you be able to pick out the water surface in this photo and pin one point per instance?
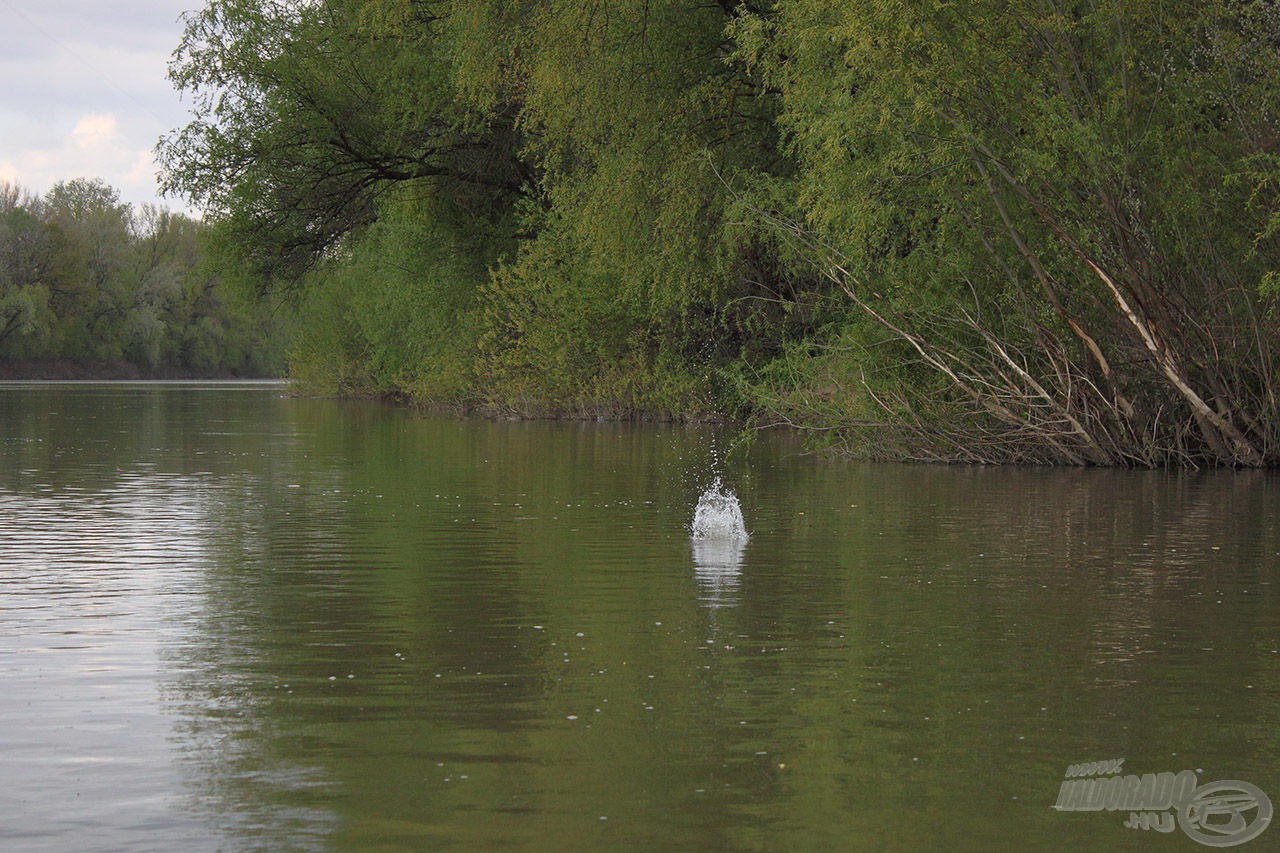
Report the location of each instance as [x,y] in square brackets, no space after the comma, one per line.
[238,620]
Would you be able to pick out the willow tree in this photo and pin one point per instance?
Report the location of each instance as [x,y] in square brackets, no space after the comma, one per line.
[1052,219]
[632,283]
[307,113]
[519,193]
[330,148]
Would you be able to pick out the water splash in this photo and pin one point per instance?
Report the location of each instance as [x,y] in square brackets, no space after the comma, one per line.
[719,540]
[718,516]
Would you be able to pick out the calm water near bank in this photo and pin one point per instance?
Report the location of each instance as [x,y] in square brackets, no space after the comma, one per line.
[230,619]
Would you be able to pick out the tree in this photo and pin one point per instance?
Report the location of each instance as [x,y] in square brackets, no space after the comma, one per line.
[85,279]
[1042,206]
[25,248]
[615,299]
[92,291]
[990,231]
[307,113]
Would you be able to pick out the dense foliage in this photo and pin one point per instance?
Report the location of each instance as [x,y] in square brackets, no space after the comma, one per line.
[987,231]
[88,285]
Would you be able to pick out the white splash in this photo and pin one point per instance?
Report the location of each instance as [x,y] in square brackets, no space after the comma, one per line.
[718,516]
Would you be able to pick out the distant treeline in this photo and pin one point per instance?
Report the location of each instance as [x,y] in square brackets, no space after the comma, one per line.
[986,231]
[91,287]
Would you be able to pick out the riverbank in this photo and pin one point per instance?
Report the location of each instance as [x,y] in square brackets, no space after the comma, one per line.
[64,369]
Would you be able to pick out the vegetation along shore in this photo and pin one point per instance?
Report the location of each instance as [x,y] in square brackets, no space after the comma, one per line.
[985,232]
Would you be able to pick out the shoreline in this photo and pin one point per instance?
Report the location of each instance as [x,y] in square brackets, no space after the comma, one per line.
[63,370]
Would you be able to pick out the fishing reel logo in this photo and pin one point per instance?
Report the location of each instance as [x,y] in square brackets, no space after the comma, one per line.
[1217,814]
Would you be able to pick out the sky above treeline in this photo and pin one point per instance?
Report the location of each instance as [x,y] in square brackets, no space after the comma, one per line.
[83,92]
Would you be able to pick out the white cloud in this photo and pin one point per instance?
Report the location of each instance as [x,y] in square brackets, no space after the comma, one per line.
[94,130]
[94,147]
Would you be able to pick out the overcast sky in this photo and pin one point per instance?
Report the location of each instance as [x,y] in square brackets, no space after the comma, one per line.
[83,91]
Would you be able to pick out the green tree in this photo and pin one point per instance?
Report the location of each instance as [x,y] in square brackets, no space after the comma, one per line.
[92,297]
[634,282]
[84,279]
[991,231]
[572,149]
[1041,208]
[25,250]
[307,113]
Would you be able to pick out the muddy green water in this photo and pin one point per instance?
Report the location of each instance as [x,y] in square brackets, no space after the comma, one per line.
[234,620]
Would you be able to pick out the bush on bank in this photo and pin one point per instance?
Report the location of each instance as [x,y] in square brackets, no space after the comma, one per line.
[980,231]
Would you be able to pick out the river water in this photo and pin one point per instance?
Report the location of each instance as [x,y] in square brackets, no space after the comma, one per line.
[231,619]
